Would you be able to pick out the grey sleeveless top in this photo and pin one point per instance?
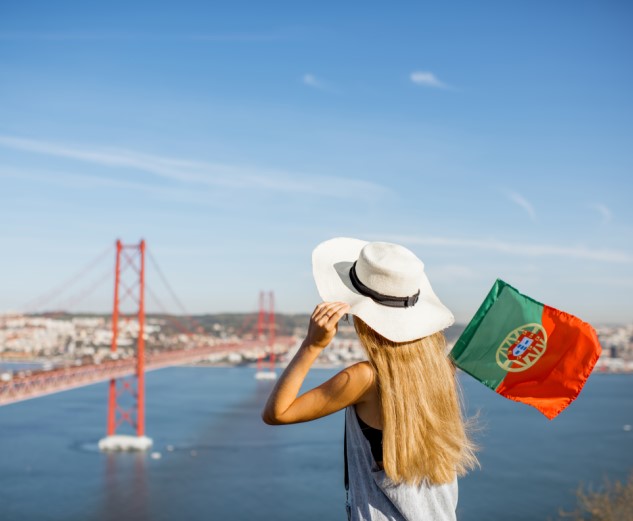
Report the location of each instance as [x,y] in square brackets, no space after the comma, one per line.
[373,496]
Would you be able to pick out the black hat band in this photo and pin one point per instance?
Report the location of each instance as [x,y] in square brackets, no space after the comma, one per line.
[379,298]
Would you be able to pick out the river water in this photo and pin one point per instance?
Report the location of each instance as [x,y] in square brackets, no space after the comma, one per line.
[219,461]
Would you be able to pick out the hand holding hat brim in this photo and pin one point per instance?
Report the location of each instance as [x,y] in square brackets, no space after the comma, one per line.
[331,263]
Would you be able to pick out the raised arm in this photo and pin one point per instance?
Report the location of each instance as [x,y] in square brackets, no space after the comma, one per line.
[345,388]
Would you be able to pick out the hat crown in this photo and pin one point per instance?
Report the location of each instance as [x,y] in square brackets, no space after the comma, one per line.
[389,269]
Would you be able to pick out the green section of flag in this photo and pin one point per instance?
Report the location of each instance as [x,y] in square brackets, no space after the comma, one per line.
[503,310]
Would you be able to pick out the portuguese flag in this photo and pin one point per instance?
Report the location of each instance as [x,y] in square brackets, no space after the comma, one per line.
[527,351]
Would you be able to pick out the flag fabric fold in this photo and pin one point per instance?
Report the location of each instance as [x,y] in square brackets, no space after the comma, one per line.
[527,351]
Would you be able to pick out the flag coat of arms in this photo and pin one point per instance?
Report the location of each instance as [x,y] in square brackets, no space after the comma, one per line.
[527,351]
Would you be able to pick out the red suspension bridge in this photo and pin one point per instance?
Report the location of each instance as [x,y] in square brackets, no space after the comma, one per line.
[128,312]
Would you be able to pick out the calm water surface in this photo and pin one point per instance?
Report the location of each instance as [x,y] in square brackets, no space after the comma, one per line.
[19,366]
[226,464]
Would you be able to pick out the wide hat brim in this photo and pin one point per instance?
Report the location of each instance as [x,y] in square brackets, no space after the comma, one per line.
[331,262]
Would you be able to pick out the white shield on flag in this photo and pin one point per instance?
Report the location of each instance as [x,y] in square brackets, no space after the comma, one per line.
[522,346]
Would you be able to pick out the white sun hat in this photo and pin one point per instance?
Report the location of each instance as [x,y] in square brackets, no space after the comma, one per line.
[384,284]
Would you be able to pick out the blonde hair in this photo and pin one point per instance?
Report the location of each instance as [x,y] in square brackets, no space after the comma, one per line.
[424,434]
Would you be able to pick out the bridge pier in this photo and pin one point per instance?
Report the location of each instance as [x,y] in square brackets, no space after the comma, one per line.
[117,414]
[124,442]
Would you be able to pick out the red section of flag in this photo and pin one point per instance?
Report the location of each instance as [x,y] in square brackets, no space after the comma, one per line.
[555,380]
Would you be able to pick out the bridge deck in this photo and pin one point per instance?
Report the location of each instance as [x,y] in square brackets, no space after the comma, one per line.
[62,379]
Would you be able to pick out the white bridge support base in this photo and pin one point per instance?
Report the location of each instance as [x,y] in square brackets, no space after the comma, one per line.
[122,442]
[265,375]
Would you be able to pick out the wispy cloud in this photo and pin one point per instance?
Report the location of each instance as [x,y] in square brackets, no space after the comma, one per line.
[618,282]
[523,249]
[604,212]
[65,36]
[95,182]
[100,36]
[522,202]
[454,272]
[196,173]
[238,37]
[316,83]
[427,79]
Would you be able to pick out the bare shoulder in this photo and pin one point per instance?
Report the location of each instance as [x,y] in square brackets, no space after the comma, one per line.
[368,402]
[362,378]
[362,372]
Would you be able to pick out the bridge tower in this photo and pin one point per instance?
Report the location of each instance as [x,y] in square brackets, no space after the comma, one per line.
[266,318]
[129,276]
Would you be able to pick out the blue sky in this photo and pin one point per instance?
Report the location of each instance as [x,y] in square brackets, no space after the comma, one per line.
[491,138]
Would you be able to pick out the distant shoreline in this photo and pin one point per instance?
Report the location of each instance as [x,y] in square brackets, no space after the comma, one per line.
[339,366]
[26,365]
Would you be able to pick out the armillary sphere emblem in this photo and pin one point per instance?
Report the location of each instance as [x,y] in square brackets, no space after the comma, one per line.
[522,348]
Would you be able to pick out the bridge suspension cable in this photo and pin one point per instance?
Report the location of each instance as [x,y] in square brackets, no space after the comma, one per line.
[168,316]
[44,299]
[174,296]
[166,283]
[82,295]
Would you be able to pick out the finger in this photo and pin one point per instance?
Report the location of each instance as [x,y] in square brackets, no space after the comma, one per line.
[318,310]
[338,313]
[325,308]
[329,309]
[334,313]
[336,306]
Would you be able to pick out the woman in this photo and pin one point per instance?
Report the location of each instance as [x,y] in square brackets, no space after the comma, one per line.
[406,442]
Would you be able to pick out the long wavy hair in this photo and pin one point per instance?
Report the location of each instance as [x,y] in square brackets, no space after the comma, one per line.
[425,437]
